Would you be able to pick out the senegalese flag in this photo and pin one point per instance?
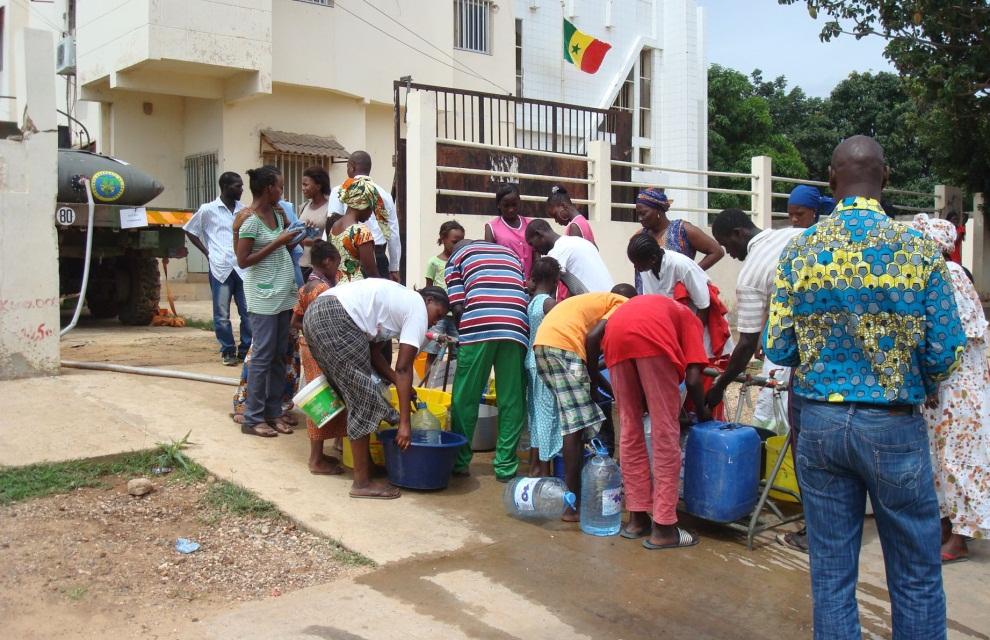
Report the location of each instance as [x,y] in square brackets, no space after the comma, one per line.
[584,51]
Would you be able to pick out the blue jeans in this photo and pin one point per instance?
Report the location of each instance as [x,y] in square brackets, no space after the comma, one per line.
[222,292]
[844,452]
[266,371]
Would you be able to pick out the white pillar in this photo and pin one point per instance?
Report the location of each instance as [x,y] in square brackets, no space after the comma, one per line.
[978,259]
[29,300]
[421,180]
[762,202]
[600,174]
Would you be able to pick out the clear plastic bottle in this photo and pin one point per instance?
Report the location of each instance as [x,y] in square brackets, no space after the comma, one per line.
[425,422]
[601,494]
[537,498]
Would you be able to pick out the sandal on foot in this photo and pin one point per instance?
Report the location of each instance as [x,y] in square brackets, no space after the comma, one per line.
[253,430]
[336,471]
[278,425]
[383,493]
[634,535]
[288,418]
[795,540]
[684,539]
[948,558]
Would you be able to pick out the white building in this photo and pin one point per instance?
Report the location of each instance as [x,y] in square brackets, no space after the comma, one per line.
[656,69]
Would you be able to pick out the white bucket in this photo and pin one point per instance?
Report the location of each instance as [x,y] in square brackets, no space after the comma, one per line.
[319,401]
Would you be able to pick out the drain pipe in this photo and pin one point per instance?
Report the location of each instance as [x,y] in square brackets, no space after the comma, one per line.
[149,371]
[89,250]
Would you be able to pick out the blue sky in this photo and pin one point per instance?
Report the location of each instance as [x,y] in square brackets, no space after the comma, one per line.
[783,40]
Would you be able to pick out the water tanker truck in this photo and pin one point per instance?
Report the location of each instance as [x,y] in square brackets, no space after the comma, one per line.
[128,238]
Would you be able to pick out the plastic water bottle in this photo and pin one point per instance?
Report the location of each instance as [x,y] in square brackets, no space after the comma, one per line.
[601,494]
[648,434]
[537,498]
[426,423]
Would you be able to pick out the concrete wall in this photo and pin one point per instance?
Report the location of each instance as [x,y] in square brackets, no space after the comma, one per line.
[29,298]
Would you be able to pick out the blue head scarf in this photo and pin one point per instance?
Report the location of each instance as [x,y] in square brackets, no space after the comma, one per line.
[654,198]
[805,195]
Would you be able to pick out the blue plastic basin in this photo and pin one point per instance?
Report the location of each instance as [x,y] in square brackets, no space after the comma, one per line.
[421,466]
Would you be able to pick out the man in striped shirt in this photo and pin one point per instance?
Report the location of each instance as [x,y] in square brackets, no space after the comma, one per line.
[759,250]
[488,296]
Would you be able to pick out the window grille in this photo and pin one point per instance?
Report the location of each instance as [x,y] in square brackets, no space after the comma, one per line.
[201,179]
[292,166]
[472,25]
[519,58]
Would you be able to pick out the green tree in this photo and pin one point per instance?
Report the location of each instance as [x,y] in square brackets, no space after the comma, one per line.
[740,126]
[942,50]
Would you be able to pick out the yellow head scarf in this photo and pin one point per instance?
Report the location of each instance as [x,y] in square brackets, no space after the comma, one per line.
[362,193]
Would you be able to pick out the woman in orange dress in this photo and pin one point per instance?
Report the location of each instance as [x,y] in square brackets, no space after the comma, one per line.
[324,260]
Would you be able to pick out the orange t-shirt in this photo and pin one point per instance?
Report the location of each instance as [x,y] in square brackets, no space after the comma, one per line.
[568,323]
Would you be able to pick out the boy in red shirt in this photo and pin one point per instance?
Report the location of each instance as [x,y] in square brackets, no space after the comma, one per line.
[651,345]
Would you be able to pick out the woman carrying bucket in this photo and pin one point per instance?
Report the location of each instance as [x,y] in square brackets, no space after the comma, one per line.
[343,329]
[324,261]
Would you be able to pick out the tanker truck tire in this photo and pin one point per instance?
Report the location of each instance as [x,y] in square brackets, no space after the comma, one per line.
[101,294]
[144,291]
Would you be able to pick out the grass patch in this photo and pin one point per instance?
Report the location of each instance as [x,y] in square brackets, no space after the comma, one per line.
[38,480]
[76,593]
[205,325]
[345,556]
[226,497]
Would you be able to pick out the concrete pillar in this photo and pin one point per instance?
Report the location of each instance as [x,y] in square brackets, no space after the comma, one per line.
[600,173]
[29,298]
[947,199]
[978,259]
[762,202]
[421,180]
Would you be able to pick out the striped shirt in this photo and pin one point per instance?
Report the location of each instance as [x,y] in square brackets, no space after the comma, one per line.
[269,285]
[487,279]
[755,287]
[213,224]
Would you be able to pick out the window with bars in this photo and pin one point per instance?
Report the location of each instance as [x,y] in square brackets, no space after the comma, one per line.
[201,179]
[645,93]
[472,25]
[292,166]
[624,99]
[519,57]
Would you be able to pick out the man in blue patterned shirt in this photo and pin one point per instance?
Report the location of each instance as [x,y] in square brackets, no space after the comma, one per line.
[865,314]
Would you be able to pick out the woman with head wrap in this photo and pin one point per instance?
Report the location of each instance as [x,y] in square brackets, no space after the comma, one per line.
[806,204]
[676,235]
[959,418]
[349,233]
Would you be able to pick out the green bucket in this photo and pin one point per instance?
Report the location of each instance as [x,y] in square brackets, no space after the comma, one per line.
[319,401]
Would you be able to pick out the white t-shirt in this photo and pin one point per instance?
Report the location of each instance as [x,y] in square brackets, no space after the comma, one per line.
[755,285]
[581,259]
[384,309]
[677,267]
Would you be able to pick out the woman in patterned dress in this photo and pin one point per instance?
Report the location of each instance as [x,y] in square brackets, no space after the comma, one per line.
[681,236]
[349,233]
[959,418]
[544,420]
[324,260]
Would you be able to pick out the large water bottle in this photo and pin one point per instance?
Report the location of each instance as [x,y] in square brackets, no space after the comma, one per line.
[426,423]
[537,498]
[601,494]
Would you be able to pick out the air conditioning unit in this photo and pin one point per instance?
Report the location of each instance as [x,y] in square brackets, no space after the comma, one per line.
[65,56]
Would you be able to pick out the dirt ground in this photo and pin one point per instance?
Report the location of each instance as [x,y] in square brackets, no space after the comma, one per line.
[98,561]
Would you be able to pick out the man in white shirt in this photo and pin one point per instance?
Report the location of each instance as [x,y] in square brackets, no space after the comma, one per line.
[211,230]
[759,250]
[388,244]
[581,266]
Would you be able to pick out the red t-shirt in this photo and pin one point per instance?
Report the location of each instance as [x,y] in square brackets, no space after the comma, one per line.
[651,325]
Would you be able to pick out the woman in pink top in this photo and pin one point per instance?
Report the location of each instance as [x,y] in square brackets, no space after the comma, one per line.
[508,228]
[561,209]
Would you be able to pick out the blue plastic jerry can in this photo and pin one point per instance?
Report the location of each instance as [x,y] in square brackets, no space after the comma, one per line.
[721,471]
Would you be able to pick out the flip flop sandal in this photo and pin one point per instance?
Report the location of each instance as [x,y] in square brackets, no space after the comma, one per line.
[252,430]
[794,540]
[278,425]
[288,418]
[948,558]
[685,539]
[339,470]
[377,496]
[628,535]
